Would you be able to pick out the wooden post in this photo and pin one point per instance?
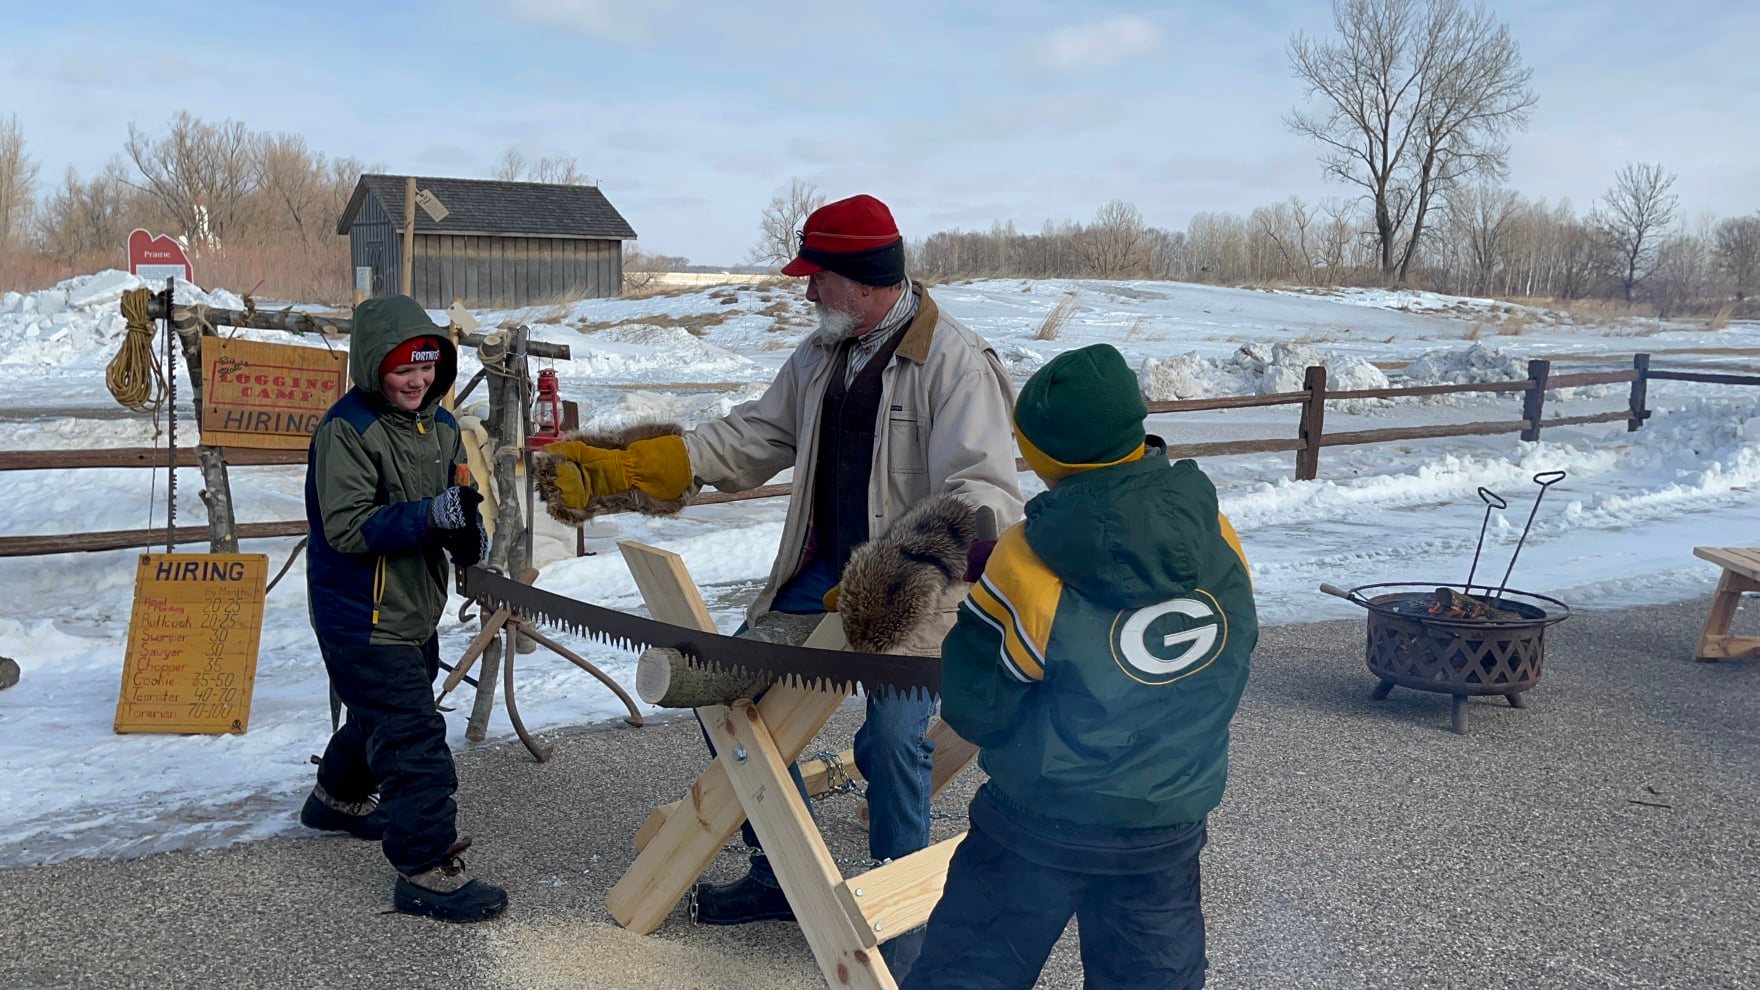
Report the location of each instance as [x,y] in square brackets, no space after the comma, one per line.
[1640,390]
[1534,400]
[216,486]
[1313,423]
[507,550]
[406,278]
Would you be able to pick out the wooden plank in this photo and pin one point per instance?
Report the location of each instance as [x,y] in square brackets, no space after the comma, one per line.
[1229,402]
[758,773]
[1585,379]
[125,539]
[889,900]
[520,251]
[129,457]
[1730,648]
[1521,385]
[323,324]
[651,825]
[1709,379]
[1419,433]
[1743,560]
[666,586]
[472,272]
[1222,448]
[711,812]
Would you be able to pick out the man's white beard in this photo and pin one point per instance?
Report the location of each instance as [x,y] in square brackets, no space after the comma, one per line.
[834,326]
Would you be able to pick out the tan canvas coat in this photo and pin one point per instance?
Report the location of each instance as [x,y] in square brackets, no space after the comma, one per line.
[946,425]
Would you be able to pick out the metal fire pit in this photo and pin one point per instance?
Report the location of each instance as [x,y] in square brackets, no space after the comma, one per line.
[1455,656]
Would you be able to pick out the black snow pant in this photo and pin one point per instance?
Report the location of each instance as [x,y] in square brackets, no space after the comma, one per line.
[1001,914]
[394,742]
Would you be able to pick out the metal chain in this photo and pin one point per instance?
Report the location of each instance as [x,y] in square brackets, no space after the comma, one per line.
[837,777]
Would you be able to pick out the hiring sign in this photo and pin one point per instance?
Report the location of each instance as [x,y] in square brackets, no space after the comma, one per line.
[267,395]
[192,643]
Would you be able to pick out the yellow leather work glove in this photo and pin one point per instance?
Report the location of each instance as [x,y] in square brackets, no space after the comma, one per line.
[832,596]
[658,466]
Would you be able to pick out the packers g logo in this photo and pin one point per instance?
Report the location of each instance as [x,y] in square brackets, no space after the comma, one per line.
[1174,649]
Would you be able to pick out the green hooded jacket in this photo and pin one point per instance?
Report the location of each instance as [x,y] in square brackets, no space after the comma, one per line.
[375,571]
[1098,660]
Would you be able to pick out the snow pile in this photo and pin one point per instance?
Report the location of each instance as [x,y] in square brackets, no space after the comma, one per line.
[643,352]
[1480,363]
[1476,364]
[1259,369]
[80,320]
[689,410]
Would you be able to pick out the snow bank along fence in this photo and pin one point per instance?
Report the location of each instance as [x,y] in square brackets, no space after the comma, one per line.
[1309,440]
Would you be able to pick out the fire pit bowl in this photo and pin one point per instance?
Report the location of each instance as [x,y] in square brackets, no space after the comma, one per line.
[1408,646]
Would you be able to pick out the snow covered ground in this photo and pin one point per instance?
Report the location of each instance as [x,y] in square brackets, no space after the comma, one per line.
[1619,529]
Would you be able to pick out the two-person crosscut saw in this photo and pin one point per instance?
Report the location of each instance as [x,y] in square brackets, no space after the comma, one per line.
[801,666]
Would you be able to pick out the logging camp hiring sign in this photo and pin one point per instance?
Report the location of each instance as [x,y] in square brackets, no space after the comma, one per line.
[157,258]
[267,395]
[192,643]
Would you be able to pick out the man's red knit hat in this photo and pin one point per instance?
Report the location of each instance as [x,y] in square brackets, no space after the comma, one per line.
[854,237]
[416,350]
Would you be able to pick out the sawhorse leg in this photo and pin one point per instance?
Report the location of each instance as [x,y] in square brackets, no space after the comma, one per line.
[1715,642]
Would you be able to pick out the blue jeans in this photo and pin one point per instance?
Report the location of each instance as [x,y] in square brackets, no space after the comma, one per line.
[892,750]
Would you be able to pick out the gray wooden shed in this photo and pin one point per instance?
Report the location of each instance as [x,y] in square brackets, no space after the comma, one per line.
[499,244]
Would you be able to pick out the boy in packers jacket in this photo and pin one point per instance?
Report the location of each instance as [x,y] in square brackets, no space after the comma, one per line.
[386,508]
[1097,663]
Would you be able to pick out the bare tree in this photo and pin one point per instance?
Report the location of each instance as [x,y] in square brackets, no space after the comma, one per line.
[82,217]
[1475,90]
[1114,244]
[782,220]
[510,167]
[1481,218]
[558,171]
[1683,273]
[201,174]
[1633,217]
[1412,99]
[295,182]
[1737,248]
[18,183]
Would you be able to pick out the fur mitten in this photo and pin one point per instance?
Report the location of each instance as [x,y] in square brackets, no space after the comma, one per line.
[895,582]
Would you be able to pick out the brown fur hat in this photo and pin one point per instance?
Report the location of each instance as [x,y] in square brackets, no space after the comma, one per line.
[895,582]
[634,500]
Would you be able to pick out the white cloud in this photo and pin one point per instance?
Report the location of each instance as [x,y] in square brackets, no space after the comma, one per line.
[1097,45]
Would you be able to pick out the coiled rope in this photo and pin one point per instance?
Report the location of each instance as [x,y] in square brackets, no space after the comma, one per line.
[135,376]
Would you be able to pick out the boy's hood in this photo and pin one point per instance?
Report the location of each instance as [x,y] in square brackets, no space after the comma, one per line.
[381,324]
[1129,535]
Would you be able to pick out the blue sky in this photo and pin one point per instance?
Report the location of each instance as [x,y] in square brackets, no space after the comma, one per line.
[693,114]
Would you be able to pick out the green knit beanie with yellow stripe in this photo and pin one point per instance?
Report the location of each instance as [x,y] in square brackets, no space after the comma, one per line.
[1083,408]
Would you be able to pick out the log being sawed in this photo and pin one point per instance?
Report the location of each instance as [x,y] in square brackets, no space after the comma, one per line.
[665,678]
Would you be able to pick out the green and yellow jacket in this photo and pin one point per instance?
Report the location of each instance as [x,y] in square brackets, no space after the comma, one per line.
[1100,657]
[375,572]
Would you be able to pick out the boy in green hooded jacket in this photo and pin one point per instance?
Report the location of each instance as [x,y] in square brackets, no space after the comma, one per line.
[1096,663]
[386,507]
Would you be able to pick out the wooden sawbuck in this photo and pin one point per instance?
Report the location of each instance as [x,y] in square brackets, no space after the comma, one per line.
[844,919]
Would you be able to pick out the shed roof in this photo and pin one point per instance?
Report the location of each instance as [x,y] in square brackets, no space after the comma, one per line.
[494,207]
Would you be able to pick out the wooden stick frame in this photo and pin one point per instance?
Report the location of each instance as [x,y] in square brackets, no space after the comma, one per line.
[844,920]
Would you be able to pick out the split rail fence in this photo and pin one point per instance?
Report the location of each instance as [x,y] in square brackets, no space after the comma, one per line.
[1307,444]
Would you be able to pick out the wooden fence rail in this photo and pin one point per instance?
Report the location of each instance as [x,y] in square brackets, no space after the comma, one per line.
[1306,445]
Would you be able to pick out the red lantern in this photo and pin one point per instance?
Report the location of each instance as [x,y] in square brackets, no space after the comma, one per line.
[546,411]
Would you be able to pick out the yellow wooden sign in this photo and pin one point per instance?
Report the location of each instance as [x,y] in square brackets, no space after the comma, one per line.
[192,643]
[267,395]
